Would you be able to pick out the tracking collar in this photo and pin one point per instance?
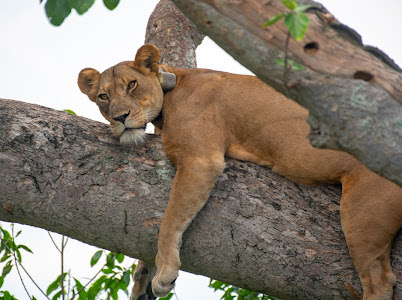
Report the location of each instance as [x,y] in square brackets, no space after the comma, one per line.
[167,80]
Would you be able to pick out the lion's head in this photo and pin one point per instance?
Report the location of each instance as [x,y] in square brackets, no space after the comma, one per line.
[129,94]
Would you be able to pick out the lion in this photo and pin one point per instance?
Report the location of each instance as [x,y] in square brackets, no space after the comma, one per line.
[205,115]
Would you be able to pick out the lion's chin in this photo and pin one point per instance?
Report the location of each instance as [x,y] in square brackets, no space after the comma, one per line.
[132,136]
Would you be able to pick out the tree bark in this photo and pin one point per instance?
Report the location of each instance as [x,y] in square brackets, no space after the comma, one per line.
[258,230]
[353,92]
[175,36]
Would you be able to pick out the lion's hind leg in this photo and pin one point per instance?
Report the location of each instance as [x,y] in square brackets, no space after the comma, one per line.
[143,274]
[371,216]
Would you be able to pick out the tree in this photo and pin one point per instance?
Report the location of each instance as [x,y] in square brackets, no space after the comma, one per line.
[236,253]
[258,230]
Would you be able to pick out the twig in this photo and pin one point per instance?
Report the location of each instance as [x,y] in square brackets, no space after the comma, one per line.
[286,73]
[16,264]
[62,266]
[83,288]
[53,241]
[175,293]
[26,272]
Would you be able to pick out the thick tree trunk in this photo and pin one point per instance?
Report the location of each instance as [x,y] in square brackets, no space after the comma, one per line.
[258,230]
[353,92]
[175,36]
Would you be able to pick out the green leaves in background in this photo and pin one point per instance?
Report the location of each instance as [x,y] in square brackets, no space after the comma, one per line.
[169,296]
[70,111]
[58,10]
[291,4]
[95,257]
[9,253]
[273,20]
[291,63]
[297,25]
[232,292]
[296,21]
[111,4]
[81,6]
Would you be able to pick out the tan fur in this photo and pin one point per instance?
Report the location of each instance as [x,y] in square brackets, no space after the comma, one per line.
[210,115]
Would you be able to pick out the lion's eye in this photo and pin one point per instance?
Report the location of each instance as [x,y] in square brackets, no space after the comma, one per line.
[131,85]
[103,97]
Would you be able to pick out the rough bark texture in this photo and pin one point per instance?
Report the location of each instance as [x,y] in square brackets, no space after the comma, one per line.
[258,230]
[175,36]
[353,92]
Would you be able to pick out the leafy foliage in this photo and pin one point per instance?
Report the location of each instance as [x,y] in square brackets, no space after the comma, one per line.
[10,255]
[109,280]
[70,111]
[292,64]
[235,293]
[7,296]
[58,10]
[296,21]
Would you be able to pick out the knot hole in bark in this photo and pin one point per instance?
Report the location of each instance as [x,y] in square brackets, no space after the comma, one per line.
[363,76]
[311,48]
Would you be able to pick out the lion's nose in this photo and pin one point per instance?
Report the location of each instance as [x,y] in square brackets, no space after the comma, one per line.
[122,118]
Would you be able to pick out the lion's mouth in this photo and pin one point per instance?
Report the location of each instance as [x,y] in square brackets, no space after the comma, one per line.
[133,135]
[133,129]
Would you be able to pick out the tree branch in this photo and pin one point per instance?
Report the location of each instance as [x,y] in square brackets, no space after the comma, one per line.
[175,36]
[258,230]
[362,117]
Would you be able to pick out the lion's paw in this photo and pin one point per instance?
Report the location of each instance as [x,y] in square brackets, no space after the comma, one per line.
[164,282]
[143,274]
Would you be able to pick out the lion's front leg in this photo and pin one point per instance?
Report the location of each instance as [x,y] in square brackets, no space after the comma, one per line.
[193,182]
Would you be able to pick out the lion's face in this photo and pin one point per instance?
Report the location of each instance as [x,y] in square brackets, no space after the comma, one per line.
[128,94]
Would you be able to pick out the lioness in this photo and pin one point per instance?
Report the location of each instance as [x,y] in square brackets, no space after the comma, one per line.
[207,115]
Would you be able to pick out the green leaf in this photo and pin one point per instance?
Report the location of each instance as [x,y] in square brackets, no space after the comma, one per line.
[25,248]
[57,11]
[167,297]
[291,4]
[217,285]
[110,260]
[5,257]
[7,269]
[111,4]
[126,277]
[297,25]
[53,286]
[96,257]
[80,288]
[81,6]
[280,61]
[108,271]
[6,235]
[302,8]
[1,281]
[273,20]
[18,255]
[70,111]
[57,295]
[297,67]
[18,233]
[120,257]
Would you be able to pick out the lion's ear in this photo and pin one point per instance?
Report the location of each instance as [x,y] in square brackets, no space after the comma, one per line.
[88,82]
[147,59]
